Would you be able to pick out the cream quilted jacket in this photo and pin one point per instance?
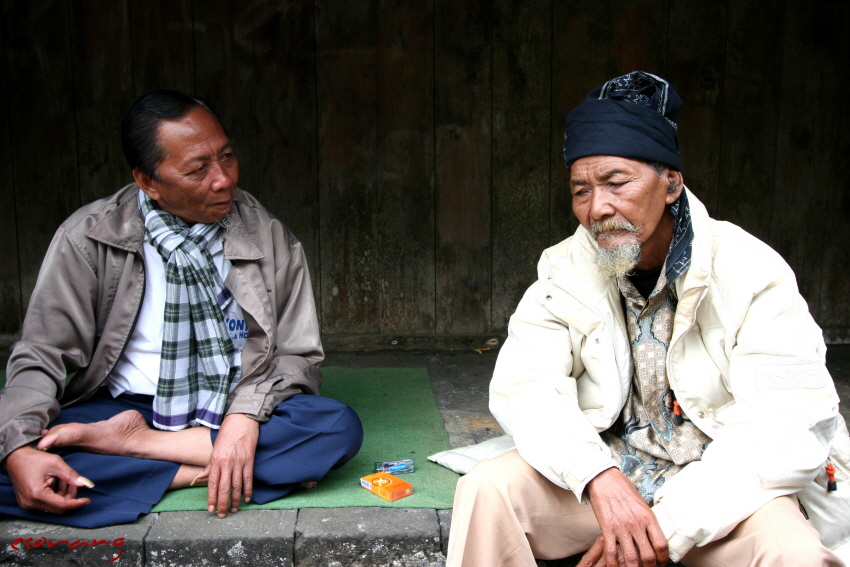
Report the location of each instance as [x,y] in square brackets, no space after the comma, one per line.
[746,361]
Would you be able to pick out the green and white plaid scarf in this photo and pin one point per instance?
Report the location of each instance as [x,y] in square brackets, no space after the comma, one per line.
[198,360]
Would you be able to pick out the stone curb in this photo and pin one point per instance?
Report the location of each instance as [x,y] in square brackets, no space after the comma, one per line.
[332,537]
[365,537]
[256,538]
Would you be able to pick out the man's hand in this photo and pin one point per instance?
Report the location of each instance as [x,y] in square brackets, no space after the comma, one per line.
[231,470]
[44,481]
[631,536]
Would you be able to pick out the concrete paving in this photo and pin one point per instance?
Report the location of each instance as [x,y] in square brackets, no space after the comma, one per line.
[256,538]
[341,537]
[364,537]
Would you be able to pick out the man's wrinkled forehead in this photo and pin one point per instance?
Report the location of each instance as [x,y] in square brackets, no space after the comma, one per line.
[592,170]
[580,176]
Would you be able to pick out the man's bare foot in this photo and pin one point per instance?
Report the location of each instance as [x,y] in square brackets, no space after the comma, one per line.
[309,484]
[111,437]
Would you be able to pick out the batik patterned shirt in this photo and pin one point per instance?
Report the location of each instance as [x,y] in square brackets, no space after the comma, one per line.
[649,444]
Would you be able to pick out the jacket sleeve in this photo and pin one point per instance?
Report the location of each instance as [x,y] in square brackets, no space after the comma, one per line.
[534,396]
[293,336]
[57,339]
[773,437]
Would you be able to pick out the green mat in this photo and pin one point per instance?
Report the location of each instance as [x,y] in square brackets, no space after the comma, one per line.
[401,421]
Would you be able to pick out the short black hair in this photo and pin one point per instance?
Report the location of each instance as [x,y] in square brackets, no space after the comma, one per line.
[142,147]
[658,167]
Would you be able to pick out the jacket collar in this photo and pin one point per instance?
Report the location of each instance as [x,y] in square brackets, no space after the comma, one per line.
[699,272]
[120,225]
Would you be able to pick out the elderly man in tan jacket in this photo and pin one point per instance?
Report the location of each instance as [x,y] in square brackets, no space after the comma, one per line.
[663,380]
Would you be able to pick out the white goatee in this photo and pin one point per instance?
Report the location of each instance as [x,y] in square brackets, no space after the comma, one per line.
[619,260]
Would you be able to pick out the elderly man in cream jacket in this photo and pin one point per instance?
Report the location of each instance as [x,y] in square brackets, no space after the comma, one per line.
[663,379]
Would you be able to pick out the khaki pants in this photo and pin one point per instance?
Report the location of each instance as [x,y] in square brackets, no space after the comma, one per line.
[506,514]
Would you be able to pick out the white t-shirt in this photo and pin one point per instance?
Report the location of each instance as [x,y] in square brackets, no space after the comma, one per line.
[137,371]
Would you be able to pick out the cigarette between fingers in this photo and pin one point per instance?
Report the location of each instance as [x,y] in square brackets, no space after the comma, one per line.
[194,480]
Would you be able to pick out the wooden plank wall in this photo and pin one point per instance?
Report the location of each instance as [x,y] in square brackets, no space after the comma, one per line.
[414,146]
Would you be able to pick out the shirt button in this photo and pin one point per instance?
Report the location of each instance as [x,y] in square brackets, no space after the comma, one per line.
[701,414]
[548,298]
[255,404]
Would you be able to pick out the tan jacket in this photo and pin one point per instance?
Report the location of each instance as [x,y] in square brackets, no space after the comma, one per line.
[89,292]
[746,362]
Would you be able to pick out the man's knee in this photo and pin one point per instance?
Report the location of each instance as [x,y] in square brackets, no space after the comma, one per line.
[794,553]
[484,478]
[776,535]
[349,430]
[506,478]
[339,426]
[504,503]
[324,424]
[323,415]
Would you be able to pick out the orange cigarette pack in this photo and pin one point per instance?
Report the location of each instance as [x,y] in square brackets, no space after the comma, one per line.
[387,486]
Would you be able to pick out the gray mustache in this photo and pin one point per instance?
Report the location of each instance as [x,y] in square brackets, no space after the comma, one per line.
[609,225]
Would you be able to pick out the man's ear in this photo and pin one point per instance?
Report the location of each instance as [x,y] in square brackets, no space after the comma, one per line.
[675,184]
[146,184]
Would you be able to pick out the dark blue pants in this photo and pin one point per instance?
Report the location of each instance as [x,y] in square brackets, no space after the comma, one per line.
[305,437]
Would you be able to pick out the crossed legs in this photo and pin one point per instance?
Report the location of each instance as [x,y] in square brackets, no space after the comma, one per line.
[127,434]
[304,438]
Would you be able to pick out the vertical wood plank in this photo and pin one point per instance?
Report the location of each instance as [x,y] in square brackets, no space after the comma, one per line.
[11,302]
[284,120]
[522,80]
[807,108]
[696,60]
[834,313]
[405,214]
[346,43]
[750,108]
[224,71]
[410,142]
[581,33]
[463,56]
[161,37]
[103,88]
[41,125]
[639,30]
